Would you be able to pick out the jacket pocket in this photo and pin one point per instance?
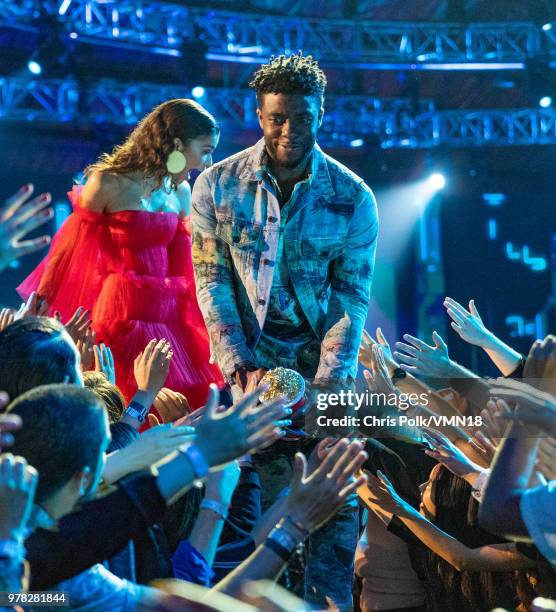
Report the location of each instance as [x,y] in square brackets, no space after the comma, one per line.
[238,233]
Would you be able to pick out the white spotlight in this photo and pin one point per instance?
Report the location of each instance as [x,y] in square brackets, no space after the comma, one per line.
[34,67]
[437,181]
[545,102]
[198,91]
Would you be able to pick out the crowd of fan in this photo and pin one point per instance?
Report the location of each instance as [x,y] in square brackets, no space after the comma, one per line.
[122,514]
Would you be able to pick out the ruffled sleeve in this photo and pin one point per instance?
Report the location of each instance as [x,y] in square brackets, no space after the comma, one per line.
[71,273]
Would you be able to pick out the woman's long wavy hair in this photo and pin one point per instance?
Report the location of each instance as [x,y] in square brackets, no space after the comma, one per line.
[147,148]
[468,591]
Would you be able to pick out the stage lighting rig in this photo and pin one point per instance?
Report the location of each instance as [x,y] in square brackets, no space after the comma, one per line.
[52,55]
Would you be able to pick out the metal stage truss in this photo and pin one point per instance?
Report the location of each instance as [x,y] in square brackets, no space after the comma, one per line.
[240,37]
[349,120]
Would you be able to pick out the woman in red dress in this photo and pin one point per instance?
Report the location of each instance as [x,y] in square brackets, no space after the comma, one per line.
[125,252]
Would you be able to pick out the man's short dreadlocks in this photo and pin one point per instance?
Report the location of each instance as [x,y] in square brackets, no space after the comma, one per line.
[296,74]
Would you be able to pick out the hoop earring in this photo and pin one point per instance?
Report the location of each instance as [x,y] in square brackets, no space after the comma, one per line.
[176,162]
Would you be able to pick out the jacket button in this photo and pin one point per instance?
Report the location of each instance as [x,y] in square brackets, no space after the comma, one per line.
[262,302]
[272,219]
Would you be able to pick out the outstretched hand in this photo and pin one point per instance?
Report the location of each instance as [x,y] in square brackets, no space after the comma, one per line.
[421,359]
[533,406]
[366,347]
[446,453]
[318,494]
[467,323]
[18,217]
[245,427]
[380,492]
[18,483]
[151,367]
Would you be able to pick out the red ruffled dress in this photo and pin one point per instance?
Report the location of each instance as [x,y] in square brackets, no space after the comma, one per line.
[133,271]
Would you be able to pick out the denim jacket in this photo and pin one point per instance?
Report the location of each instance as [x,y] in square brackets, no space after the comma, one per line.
[330,243]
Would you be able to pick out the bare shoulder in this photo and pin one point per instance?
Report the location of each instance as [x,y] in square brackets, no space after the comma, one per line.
[102,191]
[183,194]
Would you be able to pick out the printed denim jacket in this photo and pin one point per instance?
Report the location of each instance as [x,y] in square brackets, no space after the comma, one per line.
[330,243]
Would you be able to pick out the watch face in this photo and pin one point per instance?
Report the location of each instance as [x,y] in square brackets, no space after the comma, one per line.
[399,373]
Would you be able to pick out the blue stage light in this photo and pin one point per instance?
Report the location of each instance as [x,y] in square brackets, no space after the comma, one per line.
[34,67]
[547,27]
[545,102]
[198,91]
[357,142]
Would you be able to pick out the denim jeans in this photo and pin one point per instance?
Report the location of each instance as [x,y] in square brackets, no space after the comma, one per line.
[331,549]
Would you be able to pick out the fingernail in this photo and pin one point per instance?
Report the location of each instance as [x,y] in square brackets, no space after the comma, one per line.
[45,197]
[26,188]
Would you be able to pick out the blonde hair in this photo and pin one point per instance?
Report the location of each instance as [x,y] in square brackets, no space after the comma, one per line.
[148,146]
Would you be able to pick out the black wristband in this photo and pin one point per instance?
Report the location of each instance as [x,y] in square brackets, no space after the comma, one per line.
[399,374]
[280,550]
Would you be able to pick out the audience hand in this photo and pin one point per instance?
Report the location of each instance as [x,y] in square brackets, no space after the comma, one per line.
[492,425]
[484,445]
[6,317]
[315,496]
[171,406]
[78,325]
[365,350]
[383,494]
[35,306]
[468,323]
[194,417]
[85,347]
[18,483]
[151,367]
[533,406]
[18,217]
[449,455]
[540,366]
[104,361]
[421,359]
[224,436]
[378,379]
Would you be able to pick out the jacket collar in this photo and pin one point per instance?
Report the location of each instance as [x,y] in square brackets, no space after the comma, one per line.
[319,179]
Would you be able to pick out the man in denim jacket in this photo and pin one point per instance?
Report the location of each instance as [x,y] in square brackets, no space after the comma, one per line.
[284,239]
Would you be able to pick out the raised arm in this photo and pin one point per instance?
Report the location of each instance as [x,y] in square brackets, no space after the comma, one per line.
[469,325]
[493,557]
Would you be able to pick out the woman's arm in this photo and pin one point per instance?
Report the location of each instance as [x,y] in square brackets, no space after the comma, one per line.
[207,529]
[470,327]
[494,557]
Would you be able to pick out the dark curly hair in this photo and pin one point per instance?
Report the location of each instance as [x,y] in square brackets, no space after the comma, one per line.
[296,74]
